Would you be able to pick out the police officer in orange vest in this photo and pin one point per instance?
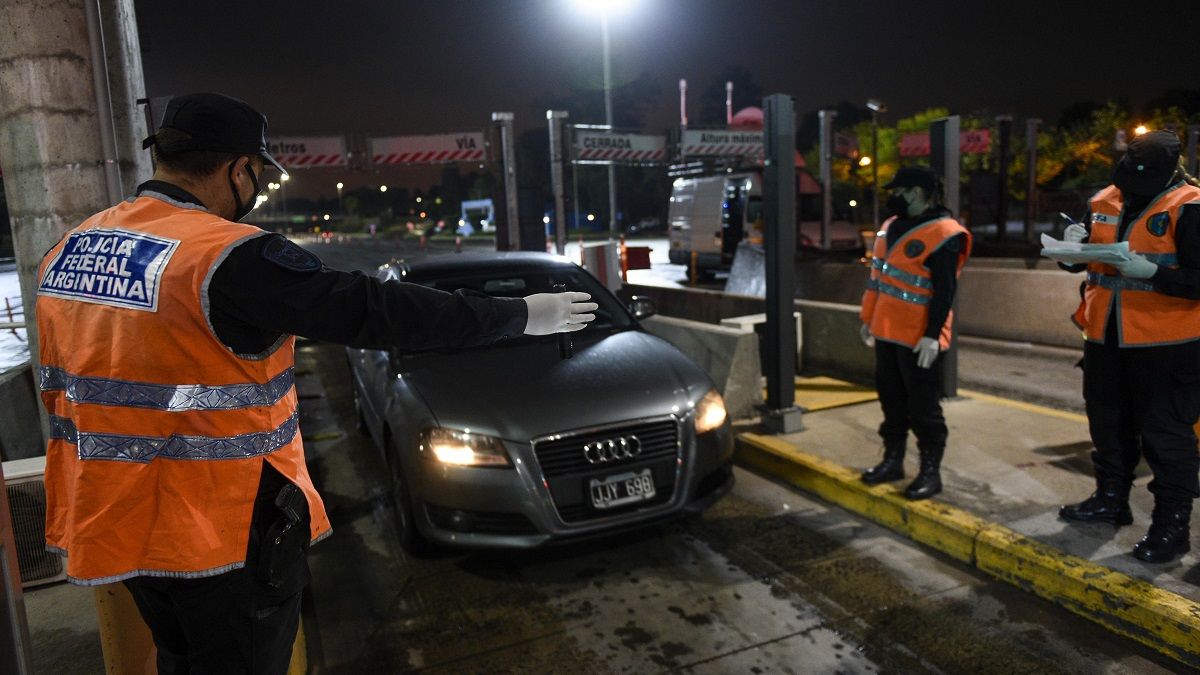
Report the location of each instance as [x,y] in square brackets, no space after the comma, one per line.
[175,462]
[906,314]
[1141,363]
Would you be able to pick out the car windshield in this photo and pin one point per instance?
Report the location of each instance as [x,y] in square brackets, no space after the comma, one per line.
[610,316]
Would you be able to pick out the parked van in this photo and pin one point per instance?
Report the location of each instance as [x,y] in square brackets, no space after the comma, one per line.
[711,215]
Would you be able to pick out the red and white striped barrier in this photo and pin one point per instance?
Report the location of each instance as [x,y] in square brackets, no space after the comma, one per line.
[622,155]
[428,149]
[307,152]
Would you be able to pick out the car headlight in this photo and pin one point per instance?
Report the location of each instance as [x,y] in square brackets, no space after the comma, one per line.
[710,412]
[462,448]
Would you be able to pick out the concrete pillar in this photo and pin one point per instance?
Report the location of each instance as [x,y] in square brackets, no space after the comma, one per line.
[49,139]
[50,145]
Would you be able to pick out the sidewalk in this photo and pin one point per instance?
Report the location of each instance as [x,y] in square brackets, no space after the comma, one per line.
[1008,468]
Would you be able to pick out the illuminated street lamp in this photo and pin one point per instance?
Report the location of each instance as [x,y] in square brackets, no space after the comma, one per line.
[864,161]
[606,8]
[340,185]
[1140,129]
[876,106]
[383,188]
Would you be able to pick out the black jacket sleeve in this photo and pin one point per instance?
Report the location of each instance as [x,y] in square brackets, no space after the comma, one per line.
[943,272]
[254,298]
[1183,281]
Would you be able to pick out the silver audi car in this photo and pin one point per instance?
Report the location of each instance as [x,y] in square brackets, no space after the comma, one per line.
[517,445]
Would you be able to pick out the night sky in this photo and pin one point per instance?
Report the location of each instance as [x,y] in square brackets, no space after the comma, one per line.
[387,67]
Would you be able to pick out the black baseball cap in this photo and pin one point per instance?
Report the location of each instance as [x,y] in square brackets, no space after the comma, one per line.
[217,123]
[1150,162]
[914,176]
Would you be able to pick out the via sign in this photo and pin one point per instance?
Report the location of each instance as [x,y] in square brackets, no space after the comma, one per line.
[602,145]
[428,149]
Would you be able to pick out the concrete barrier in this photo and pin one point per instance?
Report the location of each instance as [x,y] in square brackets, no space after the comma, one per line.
[20,430]
[999,298]
[729,355]
[831,339]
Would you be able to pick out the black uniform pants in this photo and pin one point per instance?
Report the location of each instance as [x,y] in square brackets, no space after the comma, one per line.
[910,397]
[232,622]
[1144,401]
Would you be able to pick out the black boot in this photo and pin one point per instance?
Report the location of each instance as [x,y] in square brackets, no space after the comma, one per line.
[1169,532]
[890,469]
[1108,504]
[929,481]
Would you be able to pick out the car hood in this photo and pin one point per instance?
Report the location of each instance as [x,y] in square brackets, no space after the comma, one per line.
[524,391]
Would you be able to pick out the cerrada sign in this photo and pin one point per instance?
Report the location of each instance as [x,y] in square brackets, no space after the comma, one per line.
[602,145]
[428,149]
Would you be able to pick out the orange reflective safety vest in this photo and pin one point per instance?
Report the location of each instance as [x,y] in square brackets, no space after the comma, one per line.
[895,306]
[158,431]
[1145,317]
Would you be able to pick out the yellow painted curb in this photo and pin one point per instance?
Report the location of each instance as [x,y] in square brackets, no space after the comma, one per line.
[1165,621]
[1022,405]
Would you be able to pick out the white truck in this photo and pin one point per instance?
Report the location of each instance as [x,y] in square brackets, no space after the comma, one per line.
[711,215]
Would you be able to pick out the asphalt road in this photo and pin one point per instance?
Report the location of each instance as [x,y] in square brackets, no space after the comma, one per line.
[767,581]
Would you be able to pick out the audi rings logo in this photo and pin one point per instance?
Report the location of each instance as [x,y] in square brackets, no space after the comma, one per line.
[612,450]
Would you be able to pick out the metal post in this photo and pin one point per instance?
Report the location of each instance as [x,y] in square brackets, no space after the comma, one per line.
[875,169]
[108,134]
[123,52]
[14,628]
[555,120]
[608,119]
[826,144]
[875,106]
[1031,136]
[1193,134]
[779,202]
[1004,125]
[728,103]
[508,162]
[945,155]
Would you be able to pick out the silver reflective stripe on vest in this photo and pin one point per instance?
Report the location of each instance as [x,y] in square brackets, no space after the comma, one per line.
[906,277]
[1162,258]
[170,397]
[883,286]
[1118,283]
[143,449]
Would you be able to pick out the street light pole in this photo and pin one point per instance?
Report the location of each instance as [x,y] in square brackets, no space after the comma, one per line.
[876,107]
[608,119]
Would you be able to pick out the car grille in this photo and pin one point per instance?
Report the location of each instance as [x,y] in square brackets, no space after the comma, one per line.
[567,471]
[564,456]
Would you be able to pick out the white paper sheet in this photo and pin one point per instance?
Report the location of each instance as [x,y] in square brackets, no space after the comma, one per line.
[1072,254]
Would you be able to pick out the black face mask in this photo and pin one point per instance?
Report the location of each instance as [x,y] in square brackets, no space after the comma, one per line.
[1145,183]
[243,210]
[897,205]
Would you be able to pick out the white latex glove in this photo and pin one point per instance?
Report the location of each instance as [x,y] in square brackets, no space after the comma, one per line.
[927,351]
[1075,234]
[867,338]
[558,312]
[1138,267]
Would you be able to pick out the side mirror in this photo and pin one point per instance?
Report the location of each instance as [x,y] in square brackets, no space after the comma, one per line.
[642,307]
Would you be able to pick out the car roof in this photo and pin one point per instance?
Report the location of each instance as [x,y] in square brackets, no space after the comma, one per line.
[475,262]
